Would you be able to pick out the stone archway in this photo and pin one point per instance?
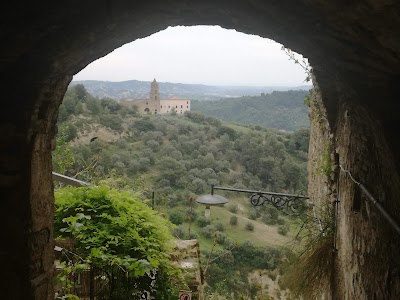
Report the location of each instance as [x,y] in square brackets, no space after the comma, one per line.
[355,52]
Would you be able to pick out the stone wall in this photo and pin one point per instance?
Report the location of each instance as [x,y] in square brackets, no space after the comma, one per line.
[321,169]
[186,254]
[365,266]
[369,257]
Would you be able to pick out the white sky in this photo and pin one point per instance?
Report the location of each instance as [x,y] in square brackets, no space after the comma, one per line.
[199,54]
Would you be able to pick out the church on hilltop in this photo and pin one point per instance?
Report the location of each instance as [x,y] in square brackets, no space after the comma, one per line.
[156,105]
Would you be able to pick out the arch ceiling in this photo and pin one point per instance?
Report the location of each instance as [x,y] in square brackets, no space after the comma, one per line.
[346,41]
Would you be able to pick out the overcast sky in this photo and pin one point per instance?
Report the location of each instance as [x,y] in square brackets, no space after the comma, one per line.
[200,54]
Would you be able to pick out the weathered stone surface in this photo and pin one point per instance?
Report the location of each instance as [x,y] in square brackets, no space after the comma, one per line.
[353,46]
[186,254]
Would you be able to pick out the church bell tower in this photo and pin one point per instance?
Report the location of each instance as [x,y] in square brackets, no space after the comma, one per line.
[154,91]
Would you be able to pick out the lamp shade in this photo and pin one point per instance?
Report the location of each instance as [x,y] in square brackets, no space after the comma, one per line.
[212,200]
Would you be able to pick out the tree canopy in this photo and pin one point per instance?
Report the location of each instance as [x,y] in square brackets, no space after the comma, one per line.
[116,229]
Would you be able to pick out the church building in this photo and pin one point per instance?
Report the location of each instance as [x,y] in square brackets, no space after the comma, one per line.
[156,105]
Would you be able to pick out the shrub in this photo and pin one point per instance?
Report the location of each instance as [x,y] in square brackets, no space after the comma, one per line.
[203,221]
[208,231]
[111,121]
[219,226]
[283,229]
[176,218]
[233,220]
[229,243]
[179,232]
[219,237]
[281,221]
[144,124]
[233,208]
[193,236]
[254,214]
[270,219]
[249,226]
[191,214]
[99,220]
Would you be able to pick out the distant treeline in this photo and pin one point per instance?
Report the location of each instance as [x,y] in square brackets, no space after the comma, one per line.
[284,110]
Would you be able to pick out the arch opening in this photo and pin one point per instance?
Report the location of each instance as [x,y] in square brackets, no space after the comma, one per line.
[302,78]
[354,56]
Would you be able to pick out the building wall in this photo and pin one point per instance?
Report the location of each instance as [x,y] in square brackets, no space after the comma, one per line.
[144,105]
[156,105]
[180,105]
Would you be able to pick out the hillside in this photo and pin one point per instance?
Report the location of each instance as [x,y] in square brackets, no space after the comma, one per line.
[283,110]
[173,159]
[135,89]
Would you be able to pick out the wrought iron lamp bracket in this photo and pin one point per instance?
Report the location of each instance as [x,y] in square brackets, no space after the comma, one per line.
[286,203]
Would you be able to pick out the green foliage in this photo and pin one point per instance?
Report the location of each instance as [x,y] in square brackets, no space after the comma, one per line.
[326,163]
[270,215]
[144,124]
[112,228]
[281,110]
[113,122]
[233,208]
[171,170]
[254,214]
[311,266]
[203,221]
[219,226]
[186,153]
[227,275]
[208,231]
[110,104]
[176,218]
[283,229]
[179,232]
[249,226]
[180,157]
[233,220]
[62,156]
[80,92]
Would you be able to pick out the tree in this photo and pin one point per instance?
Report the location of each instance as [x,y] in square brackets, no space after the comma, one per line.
[111,104]
[62,157]
[113,229]
[111,121]
[144,124]
[301,139]
[80,92]
[176,217]
[94,106]
[172,170]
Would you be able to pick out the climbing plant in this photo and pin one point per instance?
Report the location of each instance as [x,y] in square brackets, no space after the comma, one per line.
[114,230]
[301,61]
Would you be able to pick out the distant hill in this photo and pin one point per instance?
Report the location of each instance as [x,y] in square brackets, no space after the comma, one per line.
[280,109]
[135,89]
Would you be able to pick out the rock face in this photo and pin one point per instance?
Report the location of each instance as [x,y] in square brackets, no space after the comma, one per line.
[187,256]
[353,46]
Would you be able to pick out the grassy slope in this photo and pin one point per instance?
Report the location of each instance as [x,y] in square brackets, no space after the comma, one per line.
[262,235]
